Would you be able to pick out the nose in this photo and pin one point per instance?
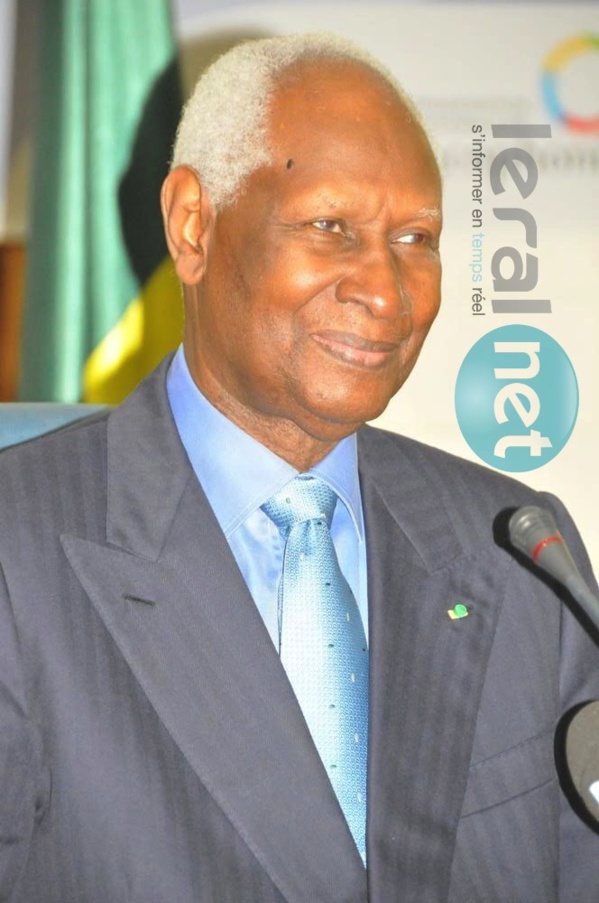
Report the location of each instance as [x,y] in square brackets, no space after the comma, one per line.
[374,280]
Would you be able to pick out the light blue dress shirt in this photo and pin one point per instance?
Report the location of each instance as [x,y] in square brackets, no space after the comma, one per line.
[238,474]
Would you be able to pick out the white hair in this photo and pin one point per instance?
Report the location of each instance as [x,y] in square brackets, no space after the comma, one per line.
[223,129]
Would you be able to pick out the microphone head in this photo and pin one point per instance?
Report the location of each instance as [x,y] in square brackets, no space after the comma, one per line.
[529,527]
[534,531]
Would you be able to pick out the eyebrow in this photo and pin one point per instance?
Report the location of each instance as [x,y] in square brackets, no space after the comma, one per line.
[429,212]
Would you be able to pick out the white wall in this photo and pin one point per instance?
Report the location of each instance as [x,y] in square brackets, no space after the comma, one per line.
[7,49]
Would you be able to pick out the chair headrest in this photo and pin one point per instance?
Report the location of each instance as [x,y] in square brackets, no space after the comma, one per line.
[20,421]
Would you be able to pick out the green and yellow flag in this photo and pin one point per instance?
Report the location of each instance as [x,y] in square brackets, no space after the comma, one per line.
[102,301]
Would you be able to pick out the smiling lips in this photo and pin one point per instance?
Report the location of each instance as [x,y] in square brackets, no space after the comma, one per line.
[353,349]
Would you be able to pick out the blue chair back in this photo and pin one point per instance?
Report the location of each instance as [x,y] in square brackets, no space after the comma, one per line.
[24,420]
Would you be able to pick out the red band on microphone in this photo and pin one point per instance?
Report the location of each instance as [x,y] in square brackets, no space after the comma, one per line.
[544,542]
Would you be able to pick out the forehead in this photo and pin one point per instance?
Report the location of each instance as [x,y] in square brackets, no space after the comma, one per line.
[342,121]
[347,85]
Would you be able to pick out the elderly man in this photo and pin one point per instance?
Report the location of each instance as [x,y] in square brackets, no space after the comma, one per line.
[228,670]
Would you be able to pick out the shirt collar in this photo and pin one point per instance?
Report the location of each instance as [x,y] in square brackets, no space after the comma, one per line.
[238,473]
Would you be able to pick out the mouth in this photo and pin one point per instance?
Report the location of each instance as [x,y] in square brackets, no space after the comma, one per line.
[354,349]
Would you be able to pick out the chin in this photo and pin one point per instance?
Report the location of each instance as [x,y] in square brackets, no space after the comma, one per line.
[341,416]
[360,401]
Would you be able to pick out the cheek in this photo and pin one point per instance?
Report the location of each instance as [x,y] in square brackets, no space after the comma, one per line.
[293,275]
[285,303]
[426,299]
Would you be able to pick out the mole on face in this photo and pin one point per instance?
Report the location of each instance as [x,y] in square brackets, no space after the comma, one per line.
[290,163]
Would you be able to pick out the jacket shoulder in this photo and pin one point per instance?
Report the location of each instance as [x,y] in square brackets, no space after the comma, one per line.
[391,449]
[56,477]
[470,495]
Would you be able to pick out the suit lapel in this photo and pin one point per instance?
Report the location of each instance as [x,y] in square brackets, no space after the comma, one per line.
[427,672]
[170,593]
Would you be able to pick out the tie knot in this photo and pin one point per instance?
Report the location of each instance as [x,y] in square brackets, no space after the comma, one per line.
[304,498]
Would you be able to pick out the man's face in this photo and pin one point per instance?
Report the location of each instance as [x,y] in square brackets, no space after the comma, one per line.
[322,279]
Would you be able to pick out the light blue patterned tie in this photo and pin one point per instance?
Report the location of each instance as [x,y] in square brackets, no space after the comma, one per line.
[322,643]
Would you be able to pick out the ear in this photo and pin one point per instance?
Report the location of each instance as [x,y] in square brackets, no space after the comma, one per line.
[188,217]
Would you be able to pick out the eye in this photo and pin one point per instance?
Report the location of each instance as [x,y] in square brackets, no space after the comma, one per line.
[414,238]
[327,225]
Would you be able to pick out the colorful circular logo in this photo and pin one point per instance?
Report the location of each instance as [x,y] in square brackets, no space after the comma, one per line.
[516,398]
[553,65]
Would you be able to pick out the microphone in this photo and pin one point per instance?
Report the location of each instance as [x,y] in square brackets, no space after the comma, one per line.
[582,756]
[534,532]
